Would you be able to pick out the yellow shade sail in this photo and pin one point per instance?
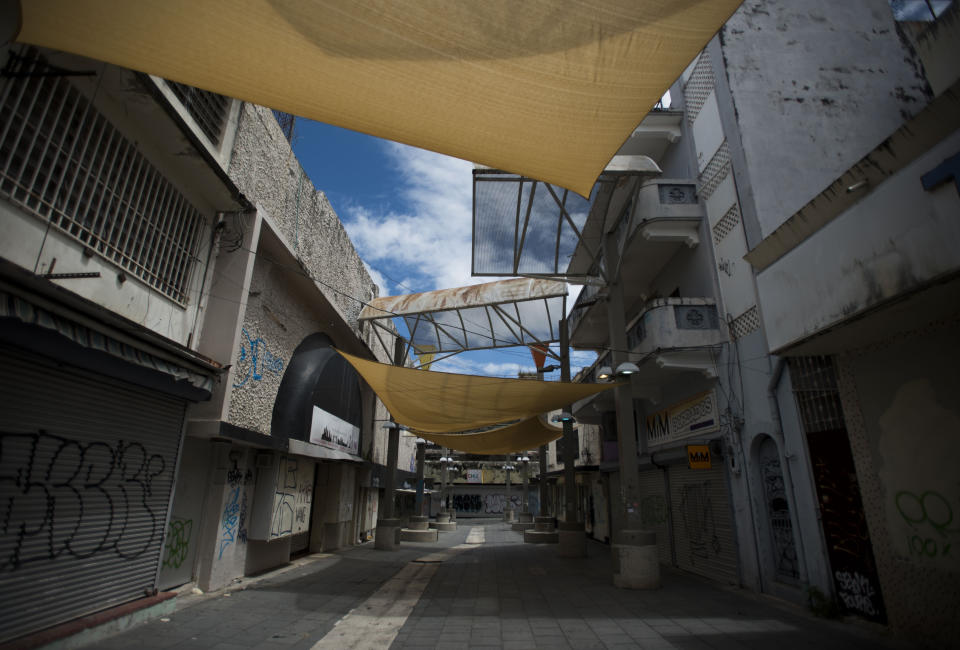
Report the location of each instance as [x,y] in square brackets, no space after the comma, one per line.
[440,402]
[548,89]
[522,436]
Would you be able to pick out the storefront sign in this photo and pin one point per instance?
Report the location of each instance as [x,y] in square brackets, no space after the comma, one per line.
[474,475]
[692,417]
[698,456]
[330,431]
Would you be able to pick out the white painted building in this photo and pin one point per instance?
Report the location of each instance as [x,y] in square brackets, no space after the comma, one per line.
[820,139]
[171,285]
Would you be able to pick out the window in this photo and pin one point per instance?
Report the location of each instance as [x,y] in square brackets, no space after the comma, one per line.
[207,108]
[62,161]
[918,10]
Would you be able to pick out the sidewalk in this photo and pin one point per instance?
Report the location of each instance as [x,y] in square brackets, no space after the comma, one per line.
[494,592]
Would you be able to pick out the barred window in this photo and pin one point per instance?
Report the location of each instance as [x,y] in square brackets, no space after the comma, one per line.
[62,161]
[208,109]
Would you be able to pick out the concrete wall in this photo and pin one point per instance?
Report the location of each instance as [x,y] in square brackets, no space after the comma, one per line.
[892,242]
[815,86]
[903,419]
[266,170]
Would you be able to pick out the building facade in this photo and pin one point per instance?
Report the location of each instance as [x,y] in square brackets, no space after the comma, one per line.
[800,331]
[172,289]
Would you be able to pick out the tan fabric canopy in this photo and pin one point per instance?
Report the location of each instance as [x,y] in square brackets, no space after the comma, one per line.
[522,436]
[545,88]
[439,402]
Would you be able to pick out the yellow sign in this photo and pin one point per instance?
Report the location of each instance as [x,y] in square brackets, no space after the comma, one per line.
[698,456]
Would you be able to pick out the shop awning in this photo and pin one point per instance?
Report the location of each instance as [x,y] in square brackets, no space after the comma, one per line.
[439,402]
[547,88]
[524,435]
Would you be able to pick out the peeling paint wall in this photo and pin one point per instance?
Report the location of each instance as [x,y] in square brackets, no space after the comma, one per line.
[815,86]
[903,419]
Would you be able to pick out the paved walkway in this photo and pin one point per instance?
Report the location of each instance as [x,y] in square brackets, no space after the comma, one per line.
[494,592]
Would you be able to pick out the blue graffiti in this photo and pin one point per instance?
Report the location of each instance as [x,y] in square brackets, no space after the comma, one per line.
[231,517]
[255,360]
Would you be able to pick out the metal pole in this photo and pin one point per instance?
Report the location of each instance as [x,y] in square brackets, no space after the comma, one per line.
[421,455]
[393,444]
[444,463]
[545,509]
[524,500]
[569,441]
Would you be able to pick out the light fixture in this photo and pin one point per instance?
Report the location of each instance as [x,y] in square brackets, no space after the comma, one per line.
[390,424]
[565,416]
[604,373]
[626,369]
[420,441]
[547,369]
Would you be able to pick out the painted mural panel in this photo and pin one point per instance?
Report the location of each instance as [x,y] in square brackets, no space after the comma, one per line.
[330,431]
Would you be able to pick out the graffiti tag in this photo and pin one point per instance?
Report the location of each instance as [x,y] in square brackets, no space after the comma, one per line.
[75,498]
[178,542]
[930,518]
[255,359]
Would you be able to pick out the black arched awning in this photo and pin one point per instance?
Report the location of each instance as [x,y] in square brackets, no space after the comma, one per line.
[319,399]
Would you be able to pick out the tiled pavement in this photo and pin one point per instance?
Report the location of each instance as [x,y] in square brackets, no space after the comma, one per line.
[499,594]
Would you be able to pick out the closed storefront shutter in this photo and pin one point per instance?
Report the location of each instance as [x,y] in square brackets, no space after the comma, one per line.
[702,522]
[654,512]
[87,464]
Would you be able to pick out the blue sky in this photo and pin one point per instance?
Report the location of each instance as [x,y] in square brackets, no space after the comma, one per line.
[408,212]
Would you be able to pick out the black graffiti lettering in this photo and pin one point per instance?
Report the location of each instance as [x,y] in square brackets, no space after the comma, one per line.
[698,520]
[86,493]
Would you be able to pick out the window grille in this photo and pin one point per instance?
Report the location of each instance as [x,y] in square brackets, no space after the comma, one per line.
[208,109]
[62,161]
[745,323]
[727,223]
[716,170]
[818,397]
[699,86]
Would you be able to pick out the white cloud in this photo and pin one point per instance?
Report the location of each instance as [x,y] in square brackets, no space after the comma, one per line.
[428,242]
[382,286]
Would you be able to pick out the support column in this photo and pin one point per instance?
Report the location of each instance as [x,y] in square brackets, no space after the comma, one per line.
[508,504]
[545,509]
[525,498]
[573,535]
[388,526]
[421,455]
[636,562]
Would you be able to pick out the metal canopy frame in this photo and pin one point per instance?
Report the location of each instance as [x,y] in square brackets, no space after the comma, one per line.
[448,322]
[577,243]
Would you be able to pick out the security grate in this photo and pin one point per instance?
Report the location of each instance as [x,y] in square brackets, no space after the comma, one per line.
[726,223]
[62,161]
[207,108]
[745,323]
[716,170]
[699,86]
[818,397]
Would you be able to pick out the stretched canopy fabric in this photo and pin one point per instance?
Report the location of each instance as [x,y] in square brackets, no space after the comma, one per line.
[524,435]
[548,89]
[439,402]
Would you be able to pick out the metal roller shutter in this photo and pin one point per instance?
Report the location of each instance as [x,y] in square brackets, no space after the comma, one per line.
[87,464]
[654,511]
[702,522]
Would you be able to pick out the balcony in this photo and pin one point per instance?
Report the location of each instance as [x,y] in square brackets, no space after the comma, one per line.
[670,337]
[663,217]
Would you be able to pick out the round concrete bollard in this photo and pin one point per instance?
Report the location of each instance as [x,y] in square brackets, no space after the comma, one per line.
[419,523]
[508,515]
[573,539]
[443,517]
[636,560]
[388,534]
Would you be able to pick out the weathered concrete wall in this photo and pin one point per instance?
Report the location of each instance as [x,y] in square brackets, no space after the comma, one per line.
[815,86]
[890,243]
[266,170]
[903,419]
